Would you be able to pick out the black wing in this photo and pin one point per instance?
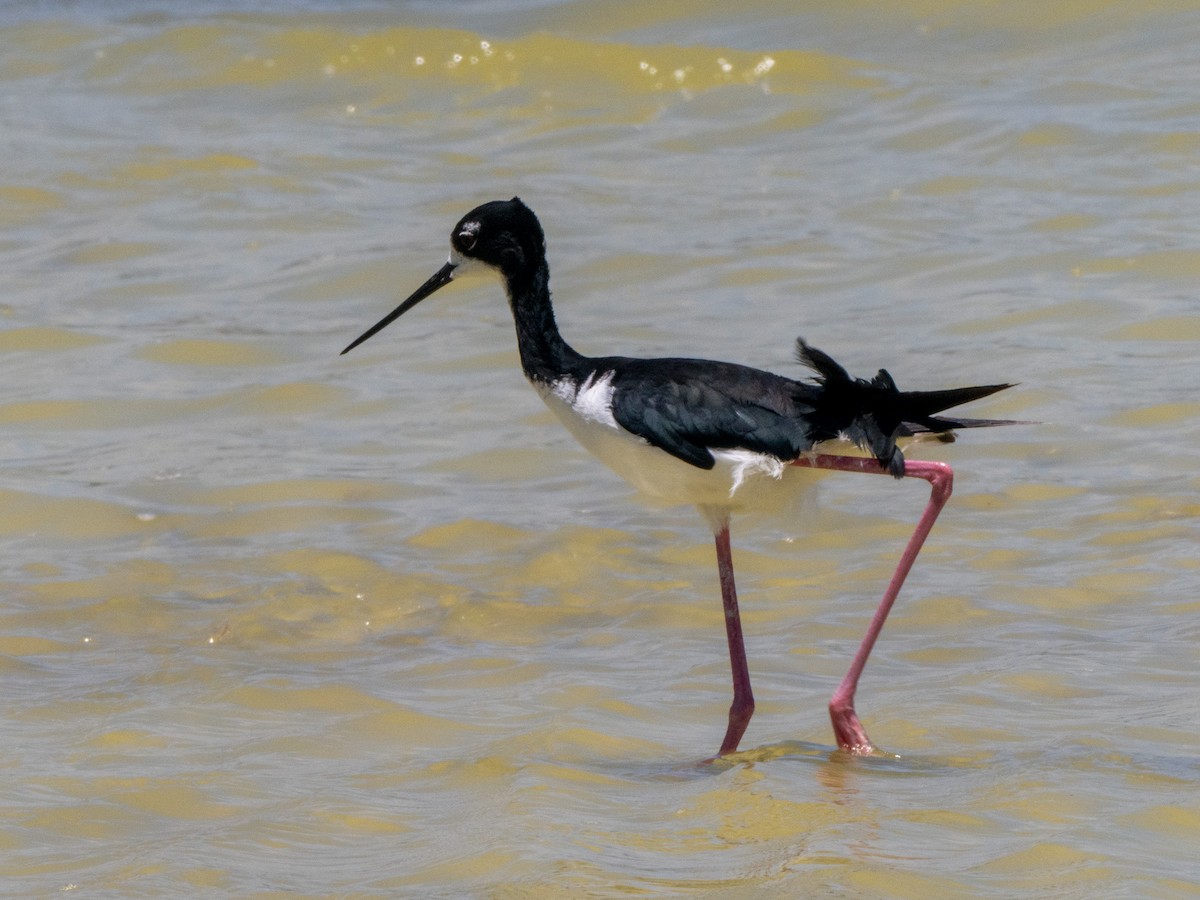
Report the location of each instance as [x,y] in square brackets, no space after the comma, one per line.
[690,407]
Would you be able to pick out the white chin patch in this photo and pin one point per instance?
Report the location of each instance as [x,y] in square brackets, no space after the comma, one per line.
[464,265]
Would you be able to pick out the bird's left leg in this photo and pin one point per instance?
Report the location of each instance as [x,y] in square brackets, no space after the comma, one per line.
[742,707]
[850,734]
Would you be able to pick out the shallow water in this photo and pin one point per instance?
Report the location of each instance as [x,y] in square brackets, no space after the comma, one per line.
[279,621]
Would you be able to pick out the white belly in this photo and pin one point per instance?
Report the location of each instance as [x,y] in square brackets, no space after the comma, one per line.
[741,479]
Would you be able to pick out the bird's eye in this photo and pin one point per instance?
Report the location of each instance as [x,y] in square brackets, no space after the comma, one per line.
[468,237]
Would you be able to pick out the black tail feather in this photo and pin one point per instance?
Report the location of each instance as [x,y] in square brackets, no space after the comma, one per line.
[946,425]
[873,414]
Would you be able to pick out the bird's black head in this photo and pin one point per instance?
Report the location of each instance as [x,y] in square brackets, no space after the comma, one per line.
[504,235]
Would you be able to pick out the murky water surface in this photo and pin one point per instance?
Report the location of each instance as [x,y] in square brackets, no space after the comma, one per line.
[279,621]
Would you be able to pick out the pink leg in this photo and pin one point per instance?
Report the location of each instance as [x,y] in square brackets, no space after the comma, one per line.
[850,734]
[742,707]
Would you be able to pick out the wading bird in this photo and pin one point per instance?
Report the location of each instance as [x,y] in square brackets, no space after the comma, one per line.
[715,435]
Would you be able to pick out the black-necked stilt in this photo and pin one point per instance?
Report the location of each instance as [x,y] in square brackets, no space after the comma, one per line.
[712,434]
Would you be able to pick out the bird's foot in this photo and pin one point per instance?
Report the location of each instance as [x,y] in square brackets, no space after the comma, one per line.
[849,732]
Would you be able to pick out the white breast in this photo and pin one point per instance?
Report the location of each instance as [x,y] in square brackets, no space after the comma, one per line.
[590,401]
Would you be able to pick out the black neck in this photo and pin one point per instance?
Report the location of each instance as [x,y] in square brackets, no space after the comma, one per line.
[545,356]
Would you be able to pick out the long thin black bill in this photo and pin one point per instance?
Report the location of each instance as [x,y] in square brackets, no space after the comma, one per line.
[440,279]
